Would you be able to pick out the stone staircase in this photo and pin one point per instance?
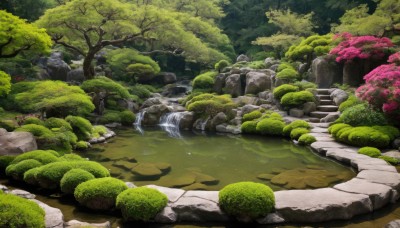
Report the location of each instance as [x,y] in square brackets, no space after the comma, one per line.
[326,106]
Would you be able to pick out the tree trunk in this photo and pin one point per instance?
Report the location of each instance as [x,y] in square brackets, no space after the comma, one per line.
[88,70]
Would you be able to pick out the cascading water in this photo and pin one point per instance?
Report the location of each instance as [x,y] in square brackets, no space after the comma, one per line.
[169,122]
[204,124]
[138,121]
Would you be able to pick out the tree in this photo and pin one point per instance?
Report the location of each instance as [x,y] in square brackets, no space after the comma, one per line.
[5,83]
[18,36]
[87,26]
[278,42]
[30,10]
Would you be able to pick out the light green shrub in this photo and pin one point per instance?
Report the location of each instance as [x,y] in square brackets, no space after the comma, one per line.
[288,74]
[270,127]
[350,102]
[297,132]
[249,127]
[32,120]
[388,130]
[370,151]
[280,91]
[81,145]
[36,130]
[362,115]
[17,171]
[251,116]
[205,80]
[295,124]
[127,118]
[57,123]
[73,178]
[81,127]
[294,99]
[219,66]
[307,139]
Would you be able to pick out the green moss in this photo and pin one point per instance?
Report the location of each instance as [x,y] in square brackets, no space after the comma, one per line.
[370,151]
[270,127]
[81,126]
[43,156]
[362,115]
[30,176]
[210,105]
[249,127]
[72,157]
[334,129]
[141,204]
[294,99]
[17,171]
[19,212]
[36,130]
[280,91]
[32,120]
[307,139]
[9,125]
[110,116]
[57,123]
[303,85]
[204,81]
[390,160]
[73,178]
[298,132]
[219,66]
[247,199]
[362,136]
[257,65]
[295,124]
[288,74]
[350,102]
[81,145]
[127,118]
[5,160]
[388,130]
[99,194]
[283,66]
[251,116]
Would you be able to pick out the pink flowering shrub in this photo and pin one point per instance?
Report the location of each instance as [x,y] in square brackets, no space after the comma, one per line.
[382,88]
[361,47]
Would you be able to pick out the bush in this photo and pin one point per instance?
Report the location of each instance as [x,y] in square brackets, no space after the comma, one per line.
[350,102]
[73,178]
[270,127]
[9,125]
[307,139]
[110,116]
[140,90]
[127,118]
[388,130]
[5,161]
[221,65]
[293,99]
[297,132]
[362,115]
[363,136]
[283,66]
[72,157]
[19,212]
[17,171]
[304,85]
[370,151]
[288,74]
[257,65]
[30,176]
[390,160]
[280,91]
[334,129]
[251,116]
[141,204]
[81,145]
[210,105]
[249,127]
[295,124]
[36,130]
[143,72]
[81,127]
[43,156]
[204,81]
[247,200]
[57,123]
[32,120]
[99,194]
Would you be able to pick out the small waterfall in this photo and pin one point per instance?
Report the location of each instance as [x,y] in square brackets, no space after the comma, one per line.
[169,122]
[138,121]
[204,124]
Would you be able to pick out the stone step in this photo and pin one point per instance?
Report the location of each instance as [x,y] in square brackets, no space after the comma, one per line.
[327,108]
[314,120]
[323,91]
[326,102]
[319,114]
[324,97]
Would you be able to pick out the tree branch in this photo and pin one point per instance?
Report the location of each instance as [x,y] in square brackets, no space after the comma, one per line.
[57,39]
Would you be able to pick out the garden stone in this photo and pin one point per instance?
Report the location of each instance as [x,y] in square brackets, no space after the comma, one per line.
[257,82]
[219,83]
[249,108]
[167,215]
[274,67]
[339,96]
[379,194]
[56,67]
[319,130]
[205,179]
[320,205]
[272,218]
[325,72]
[242,58]
[15,143]
[393,224]
[150,102]
[309,107]
[130,185]
[153,114]
[392,153]
[173,194]
[331,117]
[23,194]
[225,128]
[147,170]
[78,224]
[187,120]
[207,195]
[233,85]
[245,100]
[295,112]
[220,118]
[387,168]
[168,77]
[76,76]
[53,216]
[270,62]
[381,177]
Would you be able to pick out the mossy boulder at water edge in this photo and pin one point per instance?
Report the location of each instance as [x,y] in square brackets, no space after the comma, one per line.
[73,178]
[17,171]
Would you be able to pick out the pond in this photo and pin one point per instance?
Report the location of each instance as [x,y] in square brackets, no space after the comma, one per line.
[199,161]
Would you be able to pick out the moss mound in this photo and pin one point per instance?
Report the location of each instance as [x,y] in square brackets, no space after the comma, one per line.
[270,126]
[370,151]
[73,178]
[17,171]
[43,156]
[307,139]
[295,124]
[251,116]
[280,91]
[249,127]
[298,132]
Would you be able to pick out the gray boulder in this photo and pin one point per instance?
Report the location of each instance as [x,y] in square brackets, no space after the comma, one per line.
[331,117]
[271,61]
[325,73]
[295,112]
[53,216]
[15,143]
[168,77]
[23,194]
[257,82]
[218,119]
[309,107]
[150,102]
[78,224]
[129,105]
[76,76]
[249,108]
[233,85]
[339,96]
[187,120]
[219,83]
[231,129]
[153,114]
[56,67]
[242,58]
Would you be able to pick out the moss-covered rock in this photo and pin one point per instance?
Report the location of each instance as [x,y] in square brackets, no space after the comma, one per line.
[294,99]
[249,127]
[307,139]
[295,124]
[251,116]
[73,178]
[270,127]
[298,132]
[280,91]
[370,151]
[43,156]
[17,171]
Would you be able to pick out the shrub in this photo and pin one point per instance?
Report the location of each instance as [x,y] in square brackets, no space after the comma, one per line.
[370,151]
[350,102]
[5,83]
[288,74]
[140,90]
[307,139]
[221,65]
[251,116]
[72,157]
[280,91]
[99,194]
[30,176]
[9,125]
[293,99]
[127,117]
[295,124]
[204,81]
[19,212]
[43,156]
[363,136]
[5,160]
[81,127]
[17,171]
[143,72]
[257,65]
[297,132]
[362,115]
[283,66]
[270,127]
[315,45]
[32,120]
[247,200]
[36,130]
[304,85]
[73,178]
[388,130]
[110,116]
[57,123]
[81,145]
[334,129]
[249,127]
[104,84]
[390,160]
[210,105]
[141,204]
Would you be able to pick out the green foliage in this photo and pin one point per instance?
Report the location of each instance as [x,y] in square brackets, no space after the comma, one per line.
[99,129]
[210,105]
[204,81]
[104,84]
[279,42]
[360,136]
[298,132]
[281,90]
[127,118]
[99,194]
[291,23]
[334,129]
[81,145]
[72,157]
[270,126]
[257,65]
[73,178]
[9,125]
[294,125]
[283,66]
[362,115]
[42,156]
[17,36]
[251,116]
[139,71]
[19,212]
[57,123]
[249,127]
[141,204]
[219,66]
[37,130]
[370,151]
[56,98]
[5,160]
[5,83]
[390,160]
[30,176]
[142,91]
[110,116]
[303,85]
[315,45]
[350,102]
[288,74]
[388,130]
[81,126]
[307,139]
[17,171]
[247,200]
[294,99]
[32,120]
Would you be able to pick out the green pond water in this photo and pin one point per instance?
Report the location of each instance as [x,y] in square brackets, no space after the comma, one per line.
[211,161]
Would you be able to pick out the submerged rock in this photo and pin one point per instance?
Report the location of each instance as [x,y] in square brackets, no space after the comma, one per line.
[147,170]
[196,186]
[265,176]
[303,178]
[125,164]
[78,224]
[178,181]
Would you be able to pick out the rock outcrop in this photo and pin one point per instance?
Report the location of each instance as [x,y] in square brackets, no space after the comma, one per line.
[15,143]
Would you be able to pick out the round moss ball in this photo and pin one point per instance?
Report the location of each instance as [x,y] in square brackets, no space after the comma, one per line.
[297,132]
[247,200]
[270,127]
[370,151]
[99,194]
[141,204]
[307,139]
[73,178]
[17,171]
[249,127]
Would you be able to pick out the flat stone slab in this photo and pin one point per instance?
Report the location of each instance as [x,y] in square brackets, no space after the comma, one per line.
[319,130]
[387,168]
[379,194]
[393,224]
[23,194]
[381,177]
[78,224]
[53,218]
[207,195]
[320,205]
[324,139]
[173,194]
[321,125]
[167,215]
[343,156]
